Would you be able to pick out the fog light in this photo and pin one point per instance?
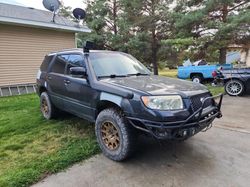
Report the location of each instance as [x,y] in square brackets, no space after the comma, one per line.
[184,133]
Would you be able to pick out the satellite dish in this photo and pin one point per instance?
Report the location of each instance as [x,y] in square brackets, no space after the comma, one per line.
[51,5]
[79,13]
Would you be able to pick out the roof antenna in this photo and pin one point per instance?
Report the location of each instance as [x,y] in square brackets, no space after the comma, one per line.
[52,6]
[79,14]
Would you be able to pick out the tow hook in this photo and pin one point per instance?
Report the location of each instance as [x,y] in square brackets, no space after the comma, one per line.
[187,132]
[219,115]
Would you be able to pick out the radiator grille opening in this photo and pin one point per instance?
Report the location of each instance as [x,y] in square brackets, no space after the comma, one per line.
[197,101]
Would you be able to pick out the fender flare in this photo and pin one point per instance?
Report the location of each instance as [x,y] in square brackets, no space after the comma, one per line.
[121,102]
[104,96]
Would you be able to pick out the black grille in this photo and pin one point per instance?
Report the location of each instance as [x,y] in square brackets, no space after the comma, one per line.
[196,101]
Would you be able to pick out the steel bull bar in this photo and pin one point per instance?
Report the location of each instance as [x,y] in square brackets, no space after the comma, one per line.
[201,119]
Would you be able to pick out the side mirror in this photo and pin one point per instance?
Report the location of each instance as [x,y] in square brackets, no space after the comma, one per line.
[78,72]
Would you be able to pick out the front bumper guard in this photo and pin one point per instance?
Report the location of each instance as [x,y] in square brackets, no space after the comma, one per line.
[199,120]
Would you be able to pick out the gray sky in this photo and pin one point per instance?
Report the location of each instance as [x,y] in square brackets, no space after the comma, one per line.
[39,5]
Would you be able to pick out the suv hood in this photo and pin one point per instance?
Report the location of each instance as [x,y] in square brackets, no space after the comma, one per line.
[156,85]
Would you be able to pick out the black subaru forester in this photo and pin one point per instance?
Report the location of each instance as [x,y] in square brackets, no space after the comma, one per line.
[122,97]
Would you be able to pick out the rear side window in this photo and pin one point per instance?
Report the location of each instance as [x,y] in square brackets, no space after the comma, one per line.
[46,62]
[59,64]
[75,60]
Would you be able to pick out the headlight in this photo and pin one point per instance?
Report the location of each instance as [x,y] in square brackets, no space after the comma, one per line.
[170,102]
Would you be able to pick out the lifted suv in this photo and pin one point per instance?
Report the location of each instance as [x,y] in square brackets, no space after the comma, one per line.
[122,97]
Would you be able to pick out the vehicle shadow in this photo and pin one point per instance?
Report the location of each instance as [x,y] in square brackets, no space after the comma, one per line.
[69,121]
[151,154]
[189,156]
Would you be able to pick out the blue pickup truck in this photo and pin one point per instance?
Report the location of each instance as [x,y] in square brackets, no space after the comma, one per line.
[201,71]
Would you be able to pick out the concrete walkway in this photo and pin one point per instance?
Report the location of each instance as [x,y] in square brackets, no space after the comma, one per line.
[218,157]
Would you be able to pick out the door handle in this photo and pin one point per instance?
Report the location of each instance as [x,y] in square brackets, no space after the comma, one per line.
[67,81]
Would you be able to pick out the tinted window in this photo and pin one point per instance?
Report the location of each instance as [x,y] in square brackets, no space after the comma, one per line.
[59,64]
[74,61]
[46,62]
[105,64]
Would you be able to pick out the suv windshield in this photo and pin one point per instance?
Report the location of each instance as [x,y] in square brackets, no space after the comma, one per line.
[108,64]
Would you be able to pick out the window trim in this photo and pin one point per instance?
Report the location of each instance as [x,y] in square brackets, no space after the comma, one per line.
[64,53]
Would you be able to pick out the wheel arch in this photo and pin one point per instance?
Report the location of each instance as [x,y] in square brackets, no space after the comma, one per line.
[41,90]
[196,74]
[104,104]
[234,78]
[108,100]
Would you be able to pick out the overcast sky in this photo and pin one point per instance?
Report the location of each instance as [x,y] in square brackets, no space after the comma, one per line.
[39,5]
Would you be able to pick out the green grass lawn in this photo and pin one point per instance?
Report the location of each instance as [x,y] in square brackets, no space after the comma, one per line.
[31,147]
[215,90]
[168,72]
[173,73]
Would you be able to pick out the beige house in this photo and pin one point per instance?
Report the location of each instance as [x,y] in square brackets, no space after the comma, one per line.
[26,36]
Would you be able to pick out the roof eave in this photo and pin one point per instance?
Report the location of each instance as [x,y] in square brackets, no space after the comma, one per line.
[36,24]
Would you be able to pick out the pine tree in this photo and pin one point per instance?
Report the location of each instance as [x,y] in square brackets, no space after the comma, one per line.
[134,26]
[214,22]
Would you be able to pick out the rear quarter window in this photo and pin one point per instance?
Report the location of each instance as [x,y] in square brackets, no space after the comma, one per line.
[46,62]
[59,64]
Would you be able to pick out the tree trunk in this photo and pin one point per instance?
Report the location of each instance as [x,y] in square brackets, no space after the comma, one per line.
[115,16]
[223,50]
[154,60]
[154,52]
[154,42]
[223,54]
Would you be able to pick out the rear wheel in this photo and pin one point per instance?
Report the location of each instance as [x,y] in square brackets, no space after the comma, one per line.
[234,87]
[197,78]
[116,137]
[47,108]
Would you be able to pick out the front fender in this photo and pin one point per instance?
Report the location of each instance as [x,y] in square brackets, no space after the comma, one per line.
[123,103]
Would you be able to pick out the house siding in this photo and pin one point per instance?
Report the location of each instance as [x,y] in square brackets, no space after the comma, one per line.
[22,50]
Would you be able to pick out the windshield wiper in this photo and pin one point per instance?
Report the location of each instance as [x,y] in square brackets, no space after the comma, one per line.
[111,76]
[137,74]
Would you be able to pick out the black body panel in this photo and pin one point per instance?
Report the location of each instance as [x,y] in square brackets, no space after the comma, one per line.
[156,85]
[82,96]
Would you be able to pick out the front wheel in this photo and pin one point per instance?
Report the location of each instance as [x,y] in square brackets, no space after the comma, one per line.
[114,134]
[234,87]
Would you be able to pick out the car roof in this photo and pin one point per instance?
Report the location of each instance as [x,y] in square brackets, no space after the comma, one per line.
[80,50]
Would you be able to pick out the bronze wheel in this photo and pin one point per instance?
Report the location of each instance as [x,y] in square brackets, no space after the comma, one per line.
[115,136]
[45,107]
[110,135]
